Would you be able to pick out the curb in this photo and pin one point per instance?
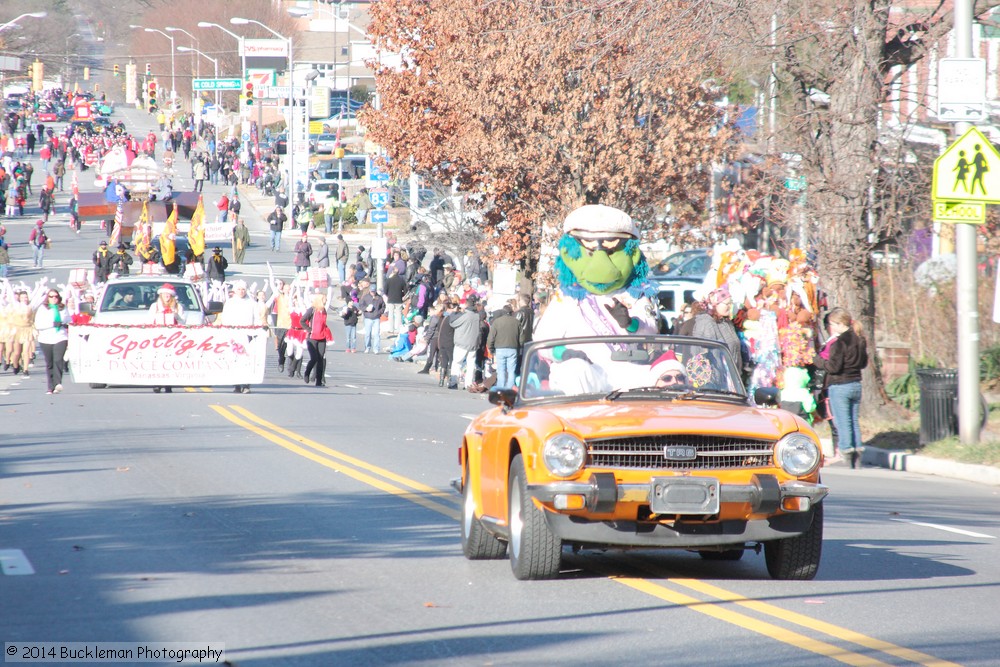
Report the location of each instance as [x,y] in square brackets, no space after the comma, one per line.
[923,465]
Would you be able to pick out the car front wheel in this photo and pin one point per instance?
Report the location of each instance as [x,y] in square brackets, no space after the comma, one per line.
[797,557]
[535,552]
[477,542]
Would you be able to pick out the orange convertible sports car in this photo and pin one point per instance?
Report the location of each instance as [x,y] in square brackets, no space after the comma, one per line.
[638,442]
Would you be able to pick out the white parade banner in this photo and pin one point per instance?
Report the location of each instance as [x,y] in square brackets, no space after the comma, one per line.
[219,231]
[167,356]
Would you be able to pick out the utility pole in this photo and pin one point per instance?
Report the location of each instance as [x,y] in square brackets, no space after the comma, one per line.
[965,280]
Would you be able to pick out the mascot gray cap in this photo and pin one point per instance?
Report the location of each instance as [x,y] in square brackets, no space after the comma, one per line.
[600,220]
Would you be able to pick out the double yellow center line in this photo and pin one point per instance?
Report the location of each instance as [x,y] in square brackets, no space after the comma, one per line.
[448,505]
[366,473]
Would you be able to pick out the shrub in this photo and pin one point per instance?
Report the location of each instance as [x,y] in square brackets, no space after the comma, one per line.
[905,389]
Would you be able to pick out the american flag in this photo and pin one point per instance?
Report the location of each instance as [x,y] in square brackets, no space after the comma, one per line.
[116,231]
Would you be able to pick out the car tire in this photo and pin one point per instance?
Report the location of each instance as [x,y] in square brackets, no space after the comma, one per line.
[535,553]
[477,542]
[797,558]
[728,554]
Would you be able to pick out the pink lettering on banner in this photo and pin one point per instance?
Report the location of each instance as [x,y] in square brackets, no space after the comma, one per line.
[179,342]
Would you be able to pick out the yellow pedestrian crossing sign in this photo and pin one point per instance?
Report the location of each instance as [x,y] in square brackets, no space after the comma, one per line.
[968,171]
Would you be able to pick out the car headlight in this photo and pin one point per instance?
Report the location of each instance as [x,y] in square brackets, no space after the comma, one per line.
[797,454]
[564,454]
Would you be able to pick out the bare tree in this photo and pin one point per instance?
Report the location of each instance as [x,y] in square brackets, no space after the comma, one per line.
[836,63]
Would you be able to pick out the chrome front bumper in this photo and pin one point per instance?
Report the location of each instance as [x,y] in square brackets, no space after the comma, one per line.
[700,496]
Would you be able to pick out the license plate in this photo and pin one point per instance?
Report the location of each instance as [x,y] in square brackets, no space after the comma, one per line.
[684,495]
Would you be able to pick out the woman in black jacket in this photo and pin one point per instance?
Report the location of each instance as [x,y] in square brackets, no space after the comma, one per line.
[843,357]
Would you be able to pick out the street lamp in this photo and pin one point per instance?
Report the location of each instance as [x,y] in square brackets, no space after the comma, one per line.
[69,69]
[243,58]
[215,63]
[293,110]
[34,15]
[195,64]
[173,71]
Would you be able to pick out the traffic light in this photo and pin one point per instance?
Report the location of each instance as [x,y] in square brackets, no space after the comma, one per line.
[151,96]
[248,93]
[116,71]
[149,70]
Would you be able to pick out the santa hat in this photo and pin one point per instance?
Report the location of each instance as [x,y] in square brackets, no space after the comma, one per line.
[167,288]
[667,361]
[600,220]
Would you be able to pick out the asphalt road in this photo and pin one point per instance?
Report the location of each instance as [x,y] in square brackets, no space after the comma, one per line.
[304,526]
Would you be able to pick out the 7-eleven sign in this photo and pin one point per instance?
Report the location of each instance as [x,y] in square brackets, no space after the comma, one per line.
[261,78]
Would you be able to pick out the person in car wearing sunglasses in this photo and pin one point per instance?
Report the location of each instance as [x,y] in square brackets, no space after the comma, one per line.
[668,372]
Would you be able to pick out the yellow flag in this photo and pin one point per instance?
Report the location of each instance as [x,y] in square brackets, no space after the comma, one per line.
[142,232]
[167,236]
[196,234]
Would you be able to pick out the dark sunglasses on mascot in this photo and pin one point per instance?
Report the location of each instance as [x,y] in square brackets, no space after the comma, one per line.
[609,244]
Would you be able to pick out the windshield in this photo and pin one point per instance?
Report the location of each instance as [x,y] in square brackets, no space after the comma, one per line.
[617,366]
[140,296]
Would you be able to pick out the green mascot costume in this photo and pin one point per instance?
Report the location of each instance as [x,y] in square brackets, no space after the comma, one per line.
[602,281]
[602,278]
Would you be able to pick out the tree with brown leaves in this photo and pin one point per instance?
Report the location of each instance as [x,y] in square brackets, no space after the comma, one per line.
[546,106]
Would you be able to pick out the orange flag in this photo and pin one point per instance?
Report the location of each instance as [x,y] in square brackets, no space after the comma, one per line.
[196,234]
[167,247]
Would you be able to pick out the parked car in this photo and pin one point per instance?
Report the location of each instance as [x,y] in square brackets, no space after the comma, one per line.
[325,143]
[334,175]
[638,441]
[683,264]
[355,164]
[280,144]
[349,119]
[671,296]
[450,214]
[319,190]
[695,266]
[47,115]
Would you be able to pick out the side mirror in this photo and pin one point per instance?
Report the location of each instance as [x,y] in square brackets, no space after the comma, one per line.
[215,307]
[87,308]
[767,396]
[503,397]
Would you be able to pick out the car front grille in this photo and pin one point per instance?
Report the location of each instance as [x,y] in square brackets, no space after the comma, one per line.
[648,452]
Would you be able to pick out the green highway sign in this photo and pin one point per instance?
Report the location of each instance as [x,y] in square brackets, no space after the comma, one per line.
[795,183]
[218,84]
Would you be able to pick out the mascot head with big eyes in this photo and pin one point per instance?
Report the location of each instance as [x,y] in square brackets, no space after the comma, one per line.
[599,254]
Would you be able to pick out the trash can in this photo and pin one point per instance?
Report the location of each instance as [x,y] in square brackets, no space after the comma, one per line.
[938,400]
